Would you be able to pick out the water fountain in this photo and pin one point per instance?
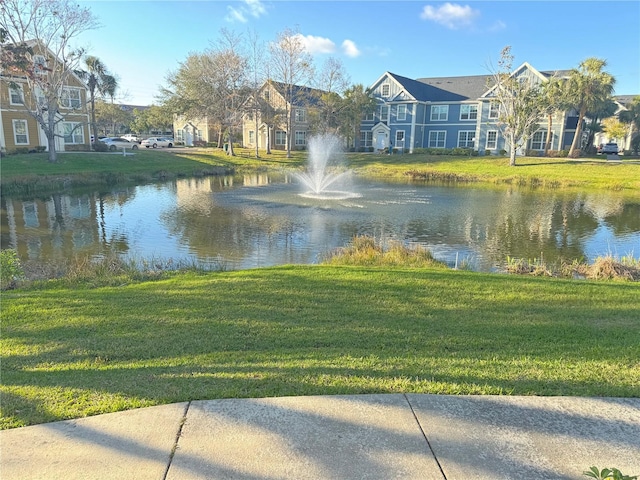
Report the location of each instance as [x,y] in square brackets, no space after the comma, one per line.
[319,178]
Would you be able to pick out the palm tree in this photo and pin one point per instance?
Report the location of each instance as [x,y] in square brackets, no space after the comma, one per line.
[589,87]
[553,101]
[632,116]
[99,82]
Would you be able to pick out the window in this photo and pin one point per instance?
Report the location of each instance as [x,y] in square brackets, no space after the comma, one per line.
[198,135]
[468,112]
[402,112]
[179,135]
[39,65]
[266,94]
[494,110]
[366,139]
[301,137]
[539,140]
[16,95]
[70,97]
[252,137]
[367,117]
[437,139]
[300,115]
[384,113]
[20,132]
[281,137]
[73,133]
[40,98]
[466,139]
[492,140]
[439,113]
[385,90]
[400,139]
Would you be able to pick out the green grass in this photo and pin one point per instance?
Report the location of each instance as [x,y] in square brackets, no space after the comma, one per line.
[27,174]
[306,330]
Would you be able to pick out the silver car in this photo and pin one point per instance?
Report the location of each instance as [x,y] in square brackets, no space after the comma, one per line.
[155,142]
[119,143]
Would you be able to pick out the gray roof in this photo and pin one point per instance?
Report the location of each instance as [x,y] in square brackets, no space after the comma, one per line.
[454,89]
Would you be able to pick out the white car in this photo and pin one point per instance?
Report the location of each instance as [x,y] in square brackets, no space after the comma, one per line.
[131,137]
[119,143]
[155,142]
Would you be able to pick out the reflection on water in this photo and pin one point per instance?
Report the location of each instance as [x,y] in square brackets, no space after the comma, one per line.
[261,220]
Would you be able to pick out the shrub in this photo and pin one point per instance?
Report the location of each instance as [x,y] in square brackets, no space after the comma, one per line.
[100,147]
[11,270]
[608,474]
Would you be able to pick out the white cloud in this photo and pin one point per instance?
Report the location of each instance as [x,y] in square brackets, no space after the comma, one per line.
[498,26]
[450,15]
[314,44]
[253,8]
[350,49]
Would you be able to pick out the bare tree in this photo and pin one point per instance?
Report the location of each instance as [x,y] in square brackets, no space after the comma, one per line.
[520,103]
[332,81]
[47,28]
[292,66]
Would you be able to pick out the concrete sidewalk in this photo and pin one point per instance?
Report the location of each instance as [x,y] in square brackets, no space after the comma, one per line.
[336,437]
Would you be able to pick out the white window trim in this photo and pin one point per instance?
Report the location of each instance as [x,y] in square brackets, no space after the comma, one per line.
[487,146]
[19,88]
[385,113]
[76,127]
[303,139]
[469,107]
[494,110]
[300,115]
[446,113]
[69,90]
[542,142]
[438,132]
[282,135]
[467,132]
[402,112]
[14,122]
[387,87]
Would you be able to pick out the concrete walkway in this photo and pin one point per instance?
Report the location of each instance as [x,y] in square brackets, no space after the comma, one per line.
[336,437]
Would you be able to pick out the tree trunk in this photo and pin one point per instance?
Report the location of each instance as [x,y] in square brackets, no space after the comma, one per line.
[230,144]
[547,145]
[577,134]
[268,139]
[512,151]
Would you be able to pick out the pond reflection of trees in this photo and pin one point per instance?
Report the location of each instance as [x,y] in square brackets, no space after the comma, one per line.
[209,218]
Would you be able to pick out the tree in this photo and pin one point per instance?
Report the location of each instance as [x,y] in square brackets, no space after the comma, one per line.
[99,82]
[553,101]
[520,103]
[332,80]
[631,116]
[614,128]
[605,110]
[356,102]
[588,89]
[292,66]
[110,118]
[44,31]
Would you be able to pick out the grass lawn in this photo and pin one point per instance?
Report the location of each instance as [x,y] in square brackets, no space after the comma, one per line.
[31,173]
[307,330]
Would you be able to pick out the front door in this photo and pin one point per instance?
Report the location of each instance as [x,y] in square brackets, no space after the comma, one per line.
[380,141]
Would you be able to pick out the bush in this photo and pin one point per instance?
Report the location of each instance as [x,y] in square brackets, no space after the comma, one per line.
[11,270]
[100,147]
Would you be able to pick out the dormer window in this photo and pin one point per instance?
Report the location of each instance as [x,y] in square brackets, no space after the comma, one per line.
[386,90]
[266,94]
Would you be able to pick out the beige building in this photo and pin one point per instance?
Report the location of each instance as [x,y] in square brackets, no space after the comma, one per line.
[21,132]
[271,125]
[192,132]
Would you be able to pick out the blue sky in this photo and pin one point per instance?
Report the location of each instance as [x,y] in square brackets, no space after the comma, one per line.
[142,41]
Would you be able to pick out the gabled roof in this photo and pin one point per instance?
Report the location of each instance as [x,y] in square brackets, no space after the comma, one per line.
[307,95]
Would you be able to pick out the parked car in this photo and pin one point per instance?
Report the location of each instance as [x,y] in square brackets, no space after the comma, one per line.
[155,142]
[118,143]
[131,137]
[610,148]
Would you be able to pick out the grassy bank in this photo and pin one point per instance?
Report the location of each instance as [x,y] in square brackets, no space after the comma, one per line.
[26,174]
[71,352]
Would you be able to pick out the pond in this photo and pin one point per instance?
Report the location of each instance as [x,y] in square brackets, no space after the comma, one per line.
[262,220]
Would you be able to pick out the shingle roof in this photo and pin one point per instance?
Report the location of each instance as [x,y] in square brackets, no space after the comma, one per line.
[306,95]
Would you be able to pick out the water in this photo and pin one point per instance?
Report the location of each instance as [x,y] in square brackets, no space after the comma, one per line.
[262,220]
[322,173]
